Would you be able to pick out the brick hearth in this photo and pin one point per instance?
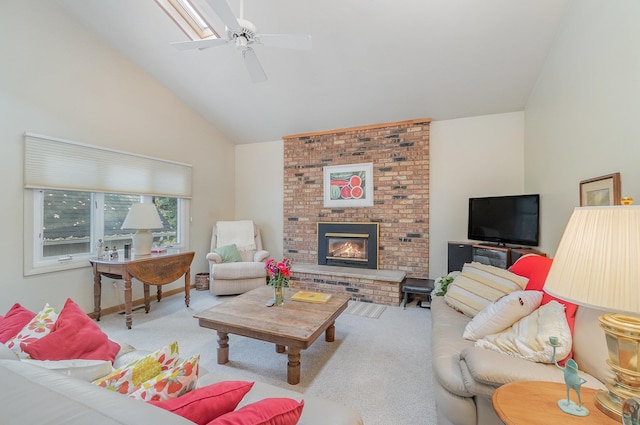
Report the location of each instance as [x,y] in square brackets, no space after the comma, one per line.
[377,286]
[400,156]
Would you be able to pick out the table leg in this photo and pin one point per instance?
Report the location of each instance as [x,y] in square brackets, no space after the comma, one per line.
[280,348]
[97,293]
[147,307]
[330,333]
[127,300]
[187,287]
[293,366]
[159,293]
[223,347]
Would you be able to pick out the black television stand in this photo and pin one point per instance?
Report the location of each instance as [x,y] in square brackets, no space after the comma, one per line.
[485,253]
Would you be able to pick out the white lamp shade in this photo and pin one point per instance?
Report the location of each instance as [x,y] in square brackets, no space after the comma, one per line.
[597,263]
[142,216]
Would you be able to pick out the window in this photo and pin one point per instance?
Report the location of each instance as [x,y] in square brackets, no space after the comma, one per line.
[189,18]
[68,224]
[76,195]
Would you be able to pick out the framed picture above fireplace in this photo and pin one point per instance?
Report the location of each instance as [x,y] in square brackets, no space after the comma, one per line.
[348,185]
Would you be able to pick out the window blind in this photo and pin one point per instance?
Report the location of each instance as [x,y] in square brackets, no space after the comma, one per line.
[51,163]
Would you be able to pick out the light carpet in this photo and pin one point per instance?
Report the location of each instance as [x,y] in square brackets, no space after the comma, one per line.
[370,310]
[382,368]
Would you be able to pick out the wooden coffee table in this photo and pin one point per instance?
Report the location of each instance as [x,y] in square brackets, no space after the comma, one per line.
[295,325]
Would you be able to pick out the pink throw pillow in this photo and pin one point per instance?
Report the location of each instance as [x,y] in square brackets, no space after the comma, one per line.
[13,322]
[207,403]
[74,336]
[269,411]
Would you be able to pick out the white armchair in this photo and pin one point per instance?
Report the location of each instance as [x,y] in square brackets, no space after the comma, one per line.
[229,273]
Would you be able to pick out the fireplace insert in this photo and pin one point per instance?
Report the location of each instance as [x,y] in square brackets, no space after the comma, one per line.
[348,244]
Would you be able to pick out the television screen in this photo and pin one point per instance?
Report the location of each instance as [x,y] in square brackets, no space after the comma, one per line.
[505,219]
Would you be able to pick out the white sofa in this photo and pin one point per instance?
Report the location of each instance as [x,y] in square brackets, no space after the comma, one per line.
[466,376]
[31,394]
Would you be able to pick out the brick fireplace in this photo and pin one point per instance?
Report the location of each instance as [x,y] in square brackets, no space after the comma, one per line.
[399,153]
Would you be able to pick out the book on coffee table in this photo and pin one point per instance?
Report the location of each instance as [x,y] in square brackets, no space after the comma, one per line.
[311,297]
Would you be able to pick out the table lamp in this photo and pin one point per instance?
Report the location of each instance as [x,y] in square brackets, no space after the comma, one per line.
[142,217]
[597,265]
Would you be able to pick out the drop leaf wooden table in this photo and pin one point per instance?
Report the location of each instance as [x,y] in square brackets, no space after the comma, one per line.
[154,269]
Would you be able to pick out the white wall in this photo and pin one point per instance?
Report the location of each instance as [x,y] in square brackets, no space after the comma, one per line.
[582,117]
[259,197]
[479,156]
[59,80]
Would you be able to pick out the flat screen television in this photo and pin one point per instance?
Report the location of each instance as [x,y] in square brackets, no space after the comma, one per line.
[505,219]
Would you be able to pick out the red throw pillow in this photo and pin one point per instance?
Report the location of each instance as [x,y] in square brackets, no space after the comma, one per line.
[207,403]
[269,411]
[536,268]
[13,322]
[74,336]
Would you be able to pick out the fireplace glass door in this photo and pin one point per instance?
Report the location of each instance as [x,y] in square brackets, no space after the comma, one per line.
[347,246]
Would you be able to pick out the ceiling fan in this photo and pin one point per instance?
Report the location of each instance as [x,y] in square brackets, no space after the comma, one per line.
[244,35]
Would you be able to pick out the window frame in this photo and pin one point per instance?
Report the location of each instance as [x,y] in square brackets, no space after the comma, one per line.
[189,18]
[35,263]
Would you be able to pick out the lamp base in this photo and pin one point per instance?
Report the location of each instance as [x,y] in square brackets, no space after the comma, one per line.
[609,407]
[142,241]
[622,333]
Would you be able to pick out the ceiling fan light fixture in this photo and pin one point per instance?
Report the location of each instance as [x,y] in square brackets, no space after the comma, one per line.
[241,43]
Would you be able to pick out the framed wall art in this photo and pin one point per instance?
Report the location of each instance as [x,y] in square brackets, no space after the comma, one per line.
[603,190]
[348,185]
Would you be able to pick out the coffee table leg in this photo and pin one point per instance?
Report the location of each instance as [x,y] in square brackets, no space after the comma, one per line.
[223,347]
[330,333]
[280,348]
[293,367]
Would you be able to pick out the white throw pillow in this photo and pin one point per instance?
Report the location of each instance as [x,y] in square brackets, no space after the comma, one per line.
[529,337]
[502,313]
[478,285]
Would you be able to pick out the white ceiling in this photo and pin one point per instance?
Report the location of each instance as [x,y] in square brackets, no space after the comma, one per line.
[373,61]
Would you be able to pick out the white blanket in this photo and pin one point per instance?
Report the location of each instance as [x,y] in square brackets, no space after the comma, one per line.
[239,233]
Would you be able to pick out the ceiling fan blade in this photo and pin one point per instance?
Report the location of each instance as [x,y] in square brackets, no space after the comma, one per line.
[286,41]
[223,10]
[253,66]
[199,44]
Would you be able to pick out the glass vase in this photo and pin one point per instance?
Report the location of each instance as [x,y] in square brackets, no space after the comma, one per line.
[278,295]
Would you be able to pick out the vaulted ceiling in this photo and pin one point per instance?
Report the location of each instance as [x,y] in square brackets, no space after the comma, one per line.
[372,61]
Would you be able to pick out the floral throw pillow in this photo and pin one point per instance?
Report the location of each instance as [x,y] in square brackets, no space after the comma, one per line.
[37,327]
[127,378]
[171,383]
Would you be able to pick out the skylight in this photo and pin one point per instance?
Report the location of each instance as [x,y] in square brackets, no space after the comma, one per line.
[189,18]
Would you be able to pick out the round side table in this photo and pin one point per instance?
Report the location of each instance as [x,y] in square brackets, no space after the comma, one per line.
[536,402]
